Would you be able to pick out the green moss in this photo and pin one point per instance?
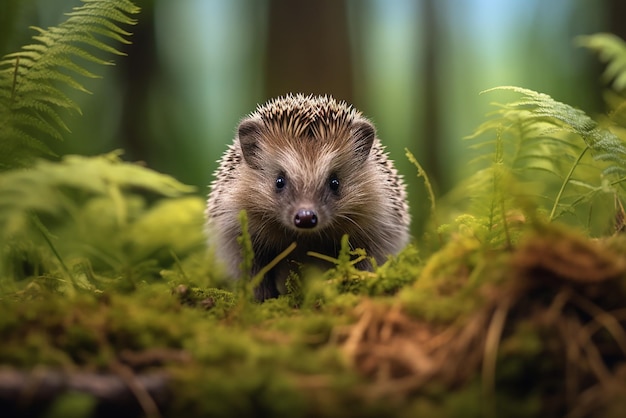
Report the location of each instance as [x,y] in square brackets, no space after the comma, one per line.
[72,404]
[398,272]
[238,391]
[448,284]
[275,358]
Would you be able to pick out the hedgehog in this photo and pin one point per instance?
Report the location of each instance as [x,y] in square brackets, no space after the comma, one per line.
[306,169]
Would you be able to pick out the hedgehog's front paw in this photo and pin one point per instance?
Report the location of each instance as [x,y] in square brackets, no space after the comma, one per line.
[266,290]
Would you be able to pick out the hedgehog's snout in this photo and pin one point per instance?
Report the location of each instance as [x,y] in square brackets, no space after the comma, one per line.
[305,218]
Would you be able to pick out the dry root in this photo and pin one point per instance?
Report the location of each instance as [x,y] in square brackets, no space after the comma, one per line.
[568,290]
[401,354]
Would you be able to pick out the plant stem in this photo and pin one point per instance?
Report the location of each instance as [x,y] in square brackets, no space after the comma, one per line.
[256,280]
[14,85]
[567,179]
[45,234]
[613,183]
[431,194]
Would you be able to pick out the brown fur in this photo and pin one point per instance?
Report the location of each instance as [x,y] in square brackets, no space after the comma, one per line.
[305,139]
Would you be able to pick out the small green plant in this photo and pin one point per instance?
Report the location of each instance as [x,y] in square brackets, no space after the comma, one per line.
[82,222]
[32,81]
[63,219]
[612,50]
[567,164]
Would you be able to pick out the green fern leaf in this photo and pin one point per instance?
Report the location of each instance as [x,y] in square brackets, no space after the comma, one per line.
[538,108]
[32,80]
[95,212]
[47,188]
[611,49]
[551,149]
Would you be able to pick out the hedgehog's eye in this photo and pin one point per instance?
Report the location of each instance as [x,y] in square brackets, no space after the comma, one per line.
[333,183]
[280,182]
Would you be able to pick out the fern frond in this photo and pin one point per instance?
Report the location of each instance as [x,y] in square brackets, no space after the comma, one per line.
[21,150]
[536,108]
[557,153]
[612,50]
[50,189]
[95,211]
[32,81]
[553,119]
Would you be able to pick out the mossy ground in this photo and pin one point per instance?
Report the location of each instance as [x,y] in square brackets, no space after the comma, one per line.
[527,329]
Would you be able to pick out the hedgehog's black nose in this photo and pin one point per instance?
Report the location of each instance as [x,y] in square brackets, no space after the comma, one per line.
[305,219]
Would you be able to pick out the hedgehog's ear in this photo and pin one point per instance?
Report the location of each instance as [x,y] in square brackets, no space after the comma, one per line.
[249,134]
[363,134]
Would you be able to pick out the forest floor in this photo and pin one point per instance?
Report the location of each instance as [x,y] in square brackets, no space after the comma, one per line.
[533,328]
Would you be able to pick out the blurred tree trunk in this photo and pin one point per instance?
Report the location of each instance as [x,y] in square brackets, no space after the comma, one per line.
[309,48]
[617,18]
[431,90]
[136,73]
[9,17]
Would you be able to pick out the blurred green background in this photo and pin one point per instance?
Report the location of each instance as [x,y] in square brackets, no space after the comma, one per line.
[415,67]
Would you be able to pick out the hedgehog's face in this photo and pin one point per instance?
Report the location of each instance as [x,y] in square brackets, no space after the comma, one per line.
[307,183]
